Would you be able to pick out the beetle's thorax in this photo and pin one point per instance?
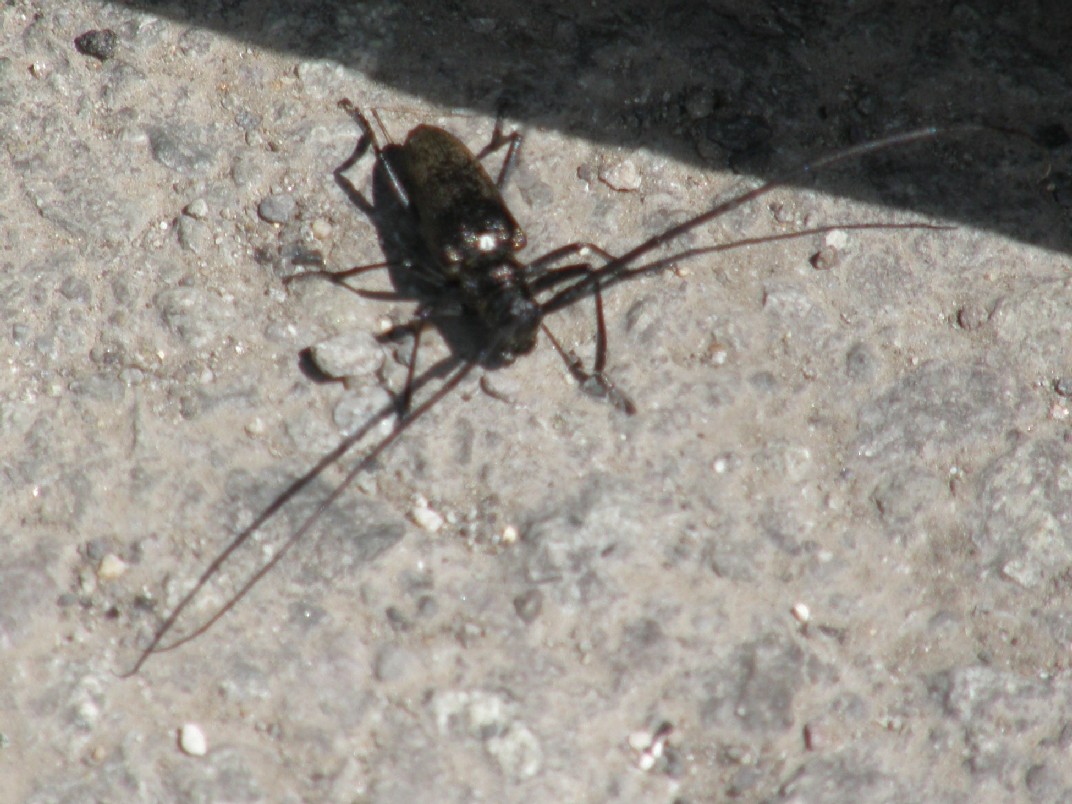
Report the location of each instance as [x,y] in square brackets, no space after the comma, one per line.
[505,306]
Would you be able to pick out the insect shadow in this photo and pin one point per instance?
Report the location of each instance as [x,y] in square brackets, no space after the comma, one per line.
[451,244]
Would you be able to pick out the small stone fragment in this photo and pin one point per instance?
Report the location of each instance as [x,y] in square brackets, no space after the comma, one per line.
[192,740]
[111,567]
[528,605]
[277,208]
[825,258]
[972,316]
[622,176]
[352,354]
[100,44]
[426,518]
[194,235]
[198,209]
[184,149]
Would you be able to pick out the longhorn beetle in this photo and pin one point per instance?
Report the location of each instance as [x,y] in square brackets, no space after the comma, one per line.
[469,258]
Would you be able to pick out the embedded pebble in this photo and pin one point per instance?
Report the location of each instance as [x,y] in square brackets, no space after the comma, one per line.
[184,149]
[111,567]
[1022,528]
[972,316]
[425,517]
[640,740]
[87,713]
[198,209]
[192,740]
[825,258]
[836,239]
[194,236]
[621,175]
[100,44]
[277,208]
[352,354]
[528,605]
[801,613]
[859,363]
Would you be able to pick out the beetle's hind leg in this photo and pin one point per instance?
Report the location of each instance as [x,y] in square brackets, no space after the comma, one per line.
[364,142]
[368,139]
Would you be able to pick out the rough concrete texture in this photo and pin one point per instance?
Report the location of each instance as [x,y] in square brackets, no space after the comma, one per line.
[831,550]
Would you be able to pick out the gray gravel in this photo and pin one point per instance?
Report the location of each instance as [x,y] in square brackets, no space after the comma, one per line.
[831,550]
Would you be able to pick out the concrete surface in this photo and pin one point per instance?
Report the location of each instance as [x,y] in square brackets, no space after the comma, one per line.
[832,548]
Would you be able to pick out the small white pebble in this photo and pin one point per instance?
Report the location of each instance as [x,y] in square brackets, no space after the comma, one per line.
[192,740]
[424,517]
[657,747]
[509,534]
[197,209]
[837,239]
[111,567]
[88,714]
[646,762]
[801,612]
[321,229]
[640,740]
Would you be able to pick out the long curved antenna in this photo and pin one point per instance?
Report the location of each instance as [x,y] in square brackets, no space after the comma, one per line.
[604,278]
[609,273]
[344,446]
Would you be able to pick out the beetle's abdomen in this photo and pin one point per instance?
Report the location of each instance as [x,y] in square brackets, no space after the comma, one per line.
[462,216]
